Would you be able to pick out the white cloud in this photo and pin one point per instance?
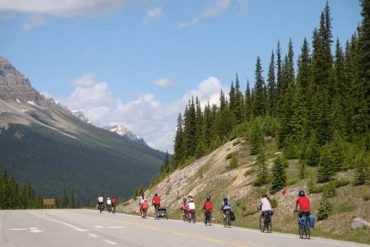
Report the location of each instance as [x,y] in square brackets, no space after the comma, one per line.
[145,116]
[86,80]
[61,8]
[89,92]
[164,83]
[154,13]
[208,91]
[34,21]
[219,7]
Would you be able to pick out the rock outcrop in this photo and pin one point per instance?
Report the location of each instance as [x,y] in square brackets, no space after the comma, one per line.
[359,223]
[15,86]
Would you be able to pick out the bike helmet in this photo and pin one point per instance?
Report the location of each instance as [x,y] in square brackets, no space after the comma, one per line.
[225,199]
[108,198]
[208,197]
[191,199]
[301,193]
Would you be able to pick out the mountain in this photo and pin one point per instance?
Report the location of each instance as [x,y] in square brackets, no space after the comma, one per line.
[44,143]
[123,131]
[80,115]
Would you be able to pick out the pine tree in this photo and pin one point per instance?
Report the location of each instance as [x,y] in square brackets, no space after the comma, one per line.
[190,130]
[208,125]
[223,103]
[179,151]
[362,84]
[200,149]
[324,209]
[279,177]
[256,139]
[362,169]
[322,63]
[262,171]
[165,167]
[288,94]
[271,87]
[238,107]
[311,153]
[259,100]
[248,103]
[327,166]
[302,169]
[279,79]
[65,200]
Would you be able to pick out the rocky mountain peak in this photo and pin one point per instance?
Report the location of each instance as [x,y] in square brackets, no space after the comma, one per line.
[14,85]
[122,130]
[4,61]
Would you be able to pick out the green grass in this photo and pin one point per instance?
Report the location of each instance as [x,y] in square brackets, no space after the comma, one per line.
[346,207]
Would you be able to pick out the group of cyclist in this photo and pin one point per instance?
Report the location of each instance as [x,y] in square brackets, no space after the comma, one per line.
[110,204]
[302,206]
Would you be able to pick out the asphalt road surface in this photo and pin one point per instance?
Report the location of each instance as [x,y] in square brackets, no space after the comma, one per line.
[59,227]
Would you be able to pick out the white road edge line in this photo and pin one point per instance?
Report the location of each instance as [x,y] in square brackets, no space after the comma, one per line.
[93,235]
[18,229]
[60,222]
[109,242]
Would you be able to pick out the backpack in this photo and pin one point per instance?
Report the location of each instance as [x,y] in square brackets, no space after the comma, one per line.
[232,216]
[312,221]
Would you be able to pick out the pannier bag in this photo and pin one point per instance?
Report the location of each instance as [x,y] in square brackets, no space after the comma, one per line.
[232,216]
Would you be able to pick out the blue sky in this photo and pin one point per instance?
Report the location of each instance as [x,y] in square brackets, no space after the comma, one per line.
[136,62]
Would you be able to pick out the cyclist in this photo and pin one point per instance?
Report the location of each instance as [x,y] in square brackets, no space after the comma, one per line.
[141,201]
[156,203]
[100,204]
[304,204]
[265,207]
[114,204]
[226,207]
[191,209]
[208,207]
[185,208]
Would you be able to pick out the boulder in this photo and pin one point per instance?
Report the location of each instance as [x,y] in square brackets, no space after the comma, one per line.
[359,223]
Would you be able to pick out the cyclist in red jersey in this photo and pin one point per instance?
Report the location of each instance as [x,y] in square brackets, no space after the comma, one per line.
[304,204]
[156,203]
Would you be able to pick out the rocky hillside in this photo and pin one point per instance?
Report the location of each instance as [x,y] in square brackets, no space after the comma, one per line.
[213,175]
[46,144]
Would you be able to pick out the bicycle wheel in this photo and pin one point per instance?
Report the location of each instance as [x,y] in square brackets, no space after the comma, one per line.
[307,230]
[269,227]
[300,230]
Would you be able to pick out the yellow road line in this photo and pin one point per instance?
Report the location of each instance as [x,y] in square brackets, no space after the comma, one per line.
[182,234]
[178,233]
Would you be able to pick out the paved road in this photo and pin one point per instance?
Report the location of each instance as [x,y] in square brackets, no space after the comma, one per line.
[49,228]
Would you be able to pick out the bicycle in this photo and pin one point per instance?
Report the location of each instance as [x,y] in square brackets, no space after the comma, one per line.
[304,226]
[227,218]
[207,217]
[265,223]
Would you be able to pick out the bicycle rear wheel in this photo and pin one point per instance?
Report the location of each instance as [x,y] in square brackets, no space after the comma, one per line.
[307,230]
[269,227]
[300,231]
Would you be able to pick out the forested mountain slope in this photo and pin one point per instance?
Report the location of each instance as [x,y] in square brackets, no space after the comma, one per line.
[43,143]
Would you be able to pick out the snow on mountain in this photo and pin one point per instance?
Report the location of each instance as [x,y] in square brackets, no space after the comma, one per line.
[80,115]
[124,131]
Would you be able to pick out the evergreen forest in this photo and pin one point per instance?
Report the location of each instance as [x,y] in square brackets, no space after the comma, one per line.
[315,108]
